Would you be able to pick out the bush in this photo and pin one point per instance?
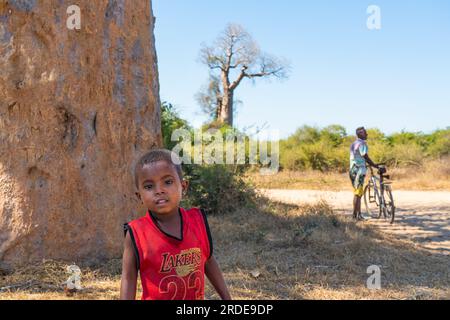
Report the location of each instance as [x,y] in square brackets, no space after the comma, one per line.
[327,149]
[312,148]
[217,189]
[407,154]
[170,121]
[380,149]
[292,159]
[440,144]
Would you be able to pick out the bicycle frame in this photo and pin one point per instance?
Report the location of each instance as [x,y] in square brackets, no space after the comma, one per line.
[378,188]
[379,192]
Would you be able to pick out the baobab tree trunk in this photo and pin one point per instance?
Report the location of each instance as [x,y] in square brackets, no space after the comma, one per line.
[229,107]
[226,109]
[77,109]
[226,105]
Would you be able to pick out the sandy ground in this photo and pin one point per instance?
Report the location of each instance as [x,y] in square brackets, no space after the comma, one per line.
[421,216]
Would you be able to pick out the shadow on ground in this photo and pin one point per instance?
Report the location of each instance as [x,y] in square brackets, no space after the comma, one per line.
[289,252]
[278,251]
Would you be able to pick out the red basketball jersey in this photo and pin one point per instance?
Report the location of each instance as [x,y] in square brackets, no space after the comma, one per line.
[171,268]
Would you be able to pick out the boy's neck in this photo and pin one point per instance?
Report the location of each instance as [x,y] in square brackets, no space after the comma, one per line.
[165,218]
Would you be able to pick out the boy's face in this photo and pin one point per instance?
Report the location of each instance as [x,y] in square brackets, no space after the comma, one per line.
[160,188]
[363,135]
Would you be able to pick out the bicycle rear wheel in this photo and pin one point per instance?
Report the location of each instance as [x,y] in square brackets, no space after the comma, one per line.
[389,203]
[372,200]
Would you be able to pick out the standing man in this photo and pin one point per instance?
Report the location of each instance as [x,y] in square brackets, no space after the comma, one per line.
[359,156]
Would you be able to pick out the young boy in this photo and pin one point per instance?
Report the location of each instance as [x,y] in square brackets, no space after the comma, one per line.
[171,247]
[359,156]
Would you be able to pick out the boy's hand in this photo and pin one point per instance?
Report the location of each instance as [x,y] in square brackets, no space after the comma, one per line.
[215,276]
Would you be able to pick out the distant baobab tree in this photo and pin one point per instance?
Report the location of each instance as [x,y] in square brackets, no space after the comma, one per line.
[234,54]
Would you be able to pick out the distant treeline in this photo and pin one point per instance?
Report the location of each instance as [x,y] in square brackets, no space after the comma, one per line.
[327,149]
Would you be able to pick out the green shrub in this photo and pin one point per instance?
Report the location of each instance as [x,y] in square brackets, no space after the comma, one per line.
[170,121]
[407,154]
[440,144]
[327,149]
[292,159]
[217,189]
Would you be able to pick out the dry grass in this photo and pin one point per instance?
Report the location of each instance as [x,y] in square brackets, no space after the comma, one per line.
[433,175]
[277,252]
[311,253]
[46,281]
[311,180]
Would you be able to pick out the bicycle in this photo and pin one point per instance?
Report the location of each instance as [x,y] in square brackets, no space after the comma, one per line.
[378,195]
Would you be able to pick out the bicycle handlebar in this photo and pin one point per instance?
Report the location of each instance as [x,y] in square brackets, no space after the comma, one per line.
[378,171]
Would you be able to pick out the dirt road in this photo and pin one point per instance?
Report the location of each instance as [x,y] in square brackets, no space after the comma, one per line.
[421,216]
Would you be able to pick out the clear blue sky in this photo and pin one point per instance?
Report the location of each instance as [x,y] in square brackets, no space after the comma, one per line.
[342,73]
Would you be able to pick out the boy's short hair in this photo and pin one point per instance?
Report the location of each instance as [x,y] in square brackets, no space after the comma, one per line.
[155,156]
[359,130]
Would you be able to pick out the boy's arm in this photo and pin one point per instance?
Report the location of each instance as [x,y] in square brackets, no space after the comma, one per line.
[215,276]
[370,162]
[129,272]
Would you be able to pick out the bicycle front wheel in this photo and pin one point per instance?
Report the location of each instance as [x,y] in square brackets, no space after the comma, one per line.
[372,200]
[389,203]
